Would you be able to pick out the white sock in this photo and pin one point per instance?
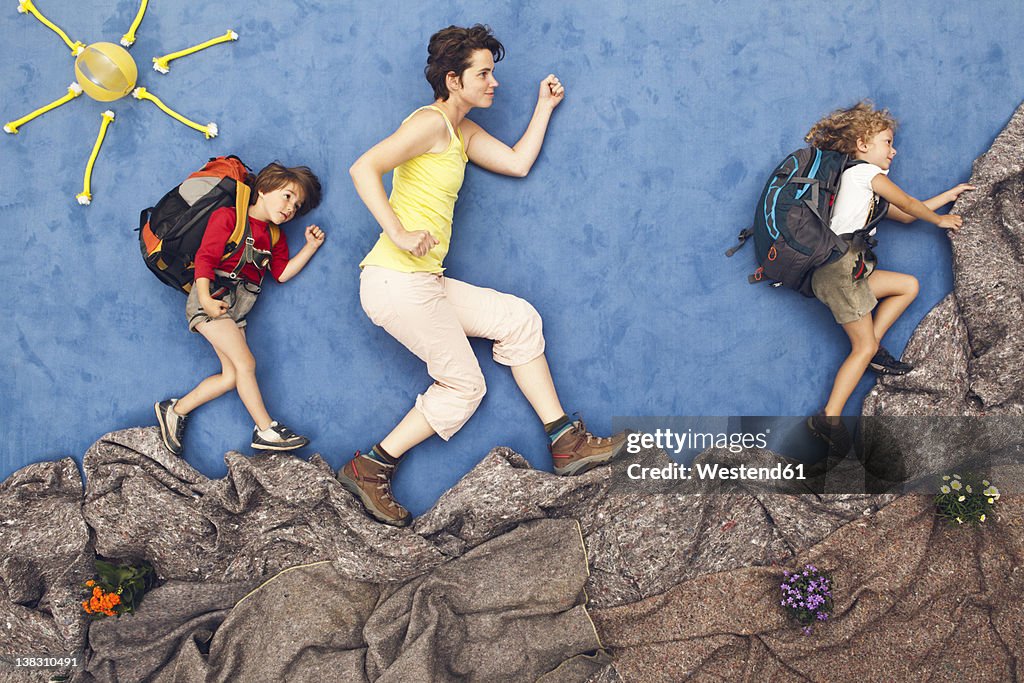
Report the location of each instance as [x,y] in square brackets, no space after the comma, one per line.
[269,434]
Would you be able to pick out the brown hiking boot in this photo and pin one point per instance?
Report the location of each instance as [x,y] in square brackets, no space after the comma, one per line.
[370,481]
[577,450]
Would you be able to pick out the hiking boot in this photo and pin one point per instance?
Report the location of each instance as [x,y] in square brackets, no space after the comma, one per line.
[577,450]
[172,425]
[834,434]
[277,438]
[370,481]
[884,364]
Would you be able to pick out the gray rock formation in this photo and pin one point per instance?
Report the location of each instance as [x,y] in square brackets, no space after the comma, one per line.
[969,349]
[963,407]
[45,557]
[273,512]
[988,257]
[510,609]
[213,540]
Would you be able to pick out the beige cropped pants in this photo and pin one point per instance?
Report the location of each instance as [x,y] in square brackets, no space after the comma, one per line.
[433,316]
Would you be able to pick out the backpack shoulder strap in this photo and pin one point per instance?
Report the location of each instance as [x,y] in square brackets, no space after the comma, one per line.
[241,234]
[275,234]
[242,193]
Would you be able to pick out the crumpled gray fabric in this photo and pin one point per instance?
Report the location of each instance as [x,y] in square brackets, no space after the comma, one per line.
[269,513]
[274,512]
[643,539]
[988,270]
[963,405]
[915,599]
[968,349]
[510,609]
[171,629]
[45,558]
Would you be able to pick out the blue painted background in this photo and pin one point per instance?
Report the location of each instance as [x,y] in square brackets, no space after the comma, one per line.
[675,112]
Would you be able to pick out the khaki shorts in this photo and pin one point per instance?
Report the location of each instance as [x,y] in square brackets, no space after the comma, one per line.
[848,299]
[240,300]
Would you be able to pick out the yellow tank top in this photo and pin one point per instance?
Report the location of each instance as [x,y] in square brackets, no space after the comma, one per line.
[423,194]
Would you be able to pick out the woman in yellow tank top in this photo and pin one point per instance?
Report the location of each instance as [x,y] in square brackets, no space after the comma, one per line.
[402,285]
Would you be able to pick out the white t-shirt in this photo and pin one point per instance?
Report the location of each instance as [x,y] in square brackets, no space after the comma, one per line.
[855,199]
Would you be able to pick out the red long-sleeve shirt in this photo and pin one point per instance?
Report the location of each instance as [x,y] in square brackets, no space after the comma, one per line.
[211,251]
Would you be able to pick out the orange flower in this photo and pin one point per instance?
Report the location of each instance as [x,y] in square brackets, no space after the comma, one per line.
[90,583]
[97,592]
[115,599]
[85,606]
[94,603]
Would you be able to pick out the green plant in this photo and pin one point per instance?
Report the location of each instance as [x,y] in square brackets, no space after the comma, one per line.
[966,499]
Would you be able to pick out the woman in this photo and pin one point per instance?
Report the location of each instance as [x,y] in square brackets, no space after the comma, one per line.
[403,290]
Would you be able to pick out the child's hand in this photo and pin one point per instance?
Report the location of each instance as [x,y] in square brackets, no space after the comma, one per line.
[214,307]
[315,236]
[551,91]
[954,192]
[950,221]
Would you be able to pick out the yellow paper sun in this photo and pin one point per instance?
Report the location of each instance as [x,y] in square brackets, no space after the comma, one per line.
[106,72]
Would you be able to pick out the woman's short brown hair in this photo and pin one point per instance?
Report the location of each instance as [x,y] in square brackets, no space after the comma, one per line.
[840,130]
[275,175]
[451,50]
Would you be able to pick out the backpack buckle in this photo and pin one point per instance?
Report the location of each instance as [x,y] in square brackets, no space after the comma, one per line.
[744,235]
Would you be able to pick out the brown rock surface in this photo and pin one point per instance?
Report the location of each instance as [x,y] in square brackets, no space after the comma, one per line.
[915,600]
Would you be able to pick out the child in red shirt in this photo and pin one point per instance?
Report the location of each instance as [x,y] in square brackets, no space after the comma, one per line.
[220,300]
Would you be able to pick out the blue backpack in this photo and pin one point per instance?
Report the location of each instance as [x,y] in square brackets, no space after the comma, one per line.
[791,229]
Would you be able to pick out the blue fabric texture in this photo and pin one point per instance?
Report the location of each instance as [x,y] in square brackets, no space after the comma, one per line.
[652,165]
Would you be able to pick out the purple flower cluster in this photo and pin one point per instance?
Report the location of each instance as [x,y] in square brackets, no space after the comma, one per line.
[807,595]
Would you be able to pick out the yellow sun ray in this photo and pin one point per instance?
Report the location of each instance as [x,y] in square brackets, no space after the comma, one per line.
[128,39]
[85,196]
[209,130]
[27,7]
[161,63]
[106,72]
[74,90]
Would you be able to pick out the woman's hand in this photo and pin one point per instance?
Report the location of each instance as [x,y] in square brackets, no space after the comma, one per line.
[950,221]
[551,91]
[416,242]
[315,236]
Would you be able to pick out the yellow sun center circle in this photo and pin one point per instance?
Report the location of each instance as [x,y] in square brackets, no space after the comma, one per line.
[106,71]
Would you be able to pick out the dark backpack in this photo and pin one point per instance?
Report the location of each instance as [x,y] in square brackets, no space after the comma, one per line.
[791,230]
[170,232]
